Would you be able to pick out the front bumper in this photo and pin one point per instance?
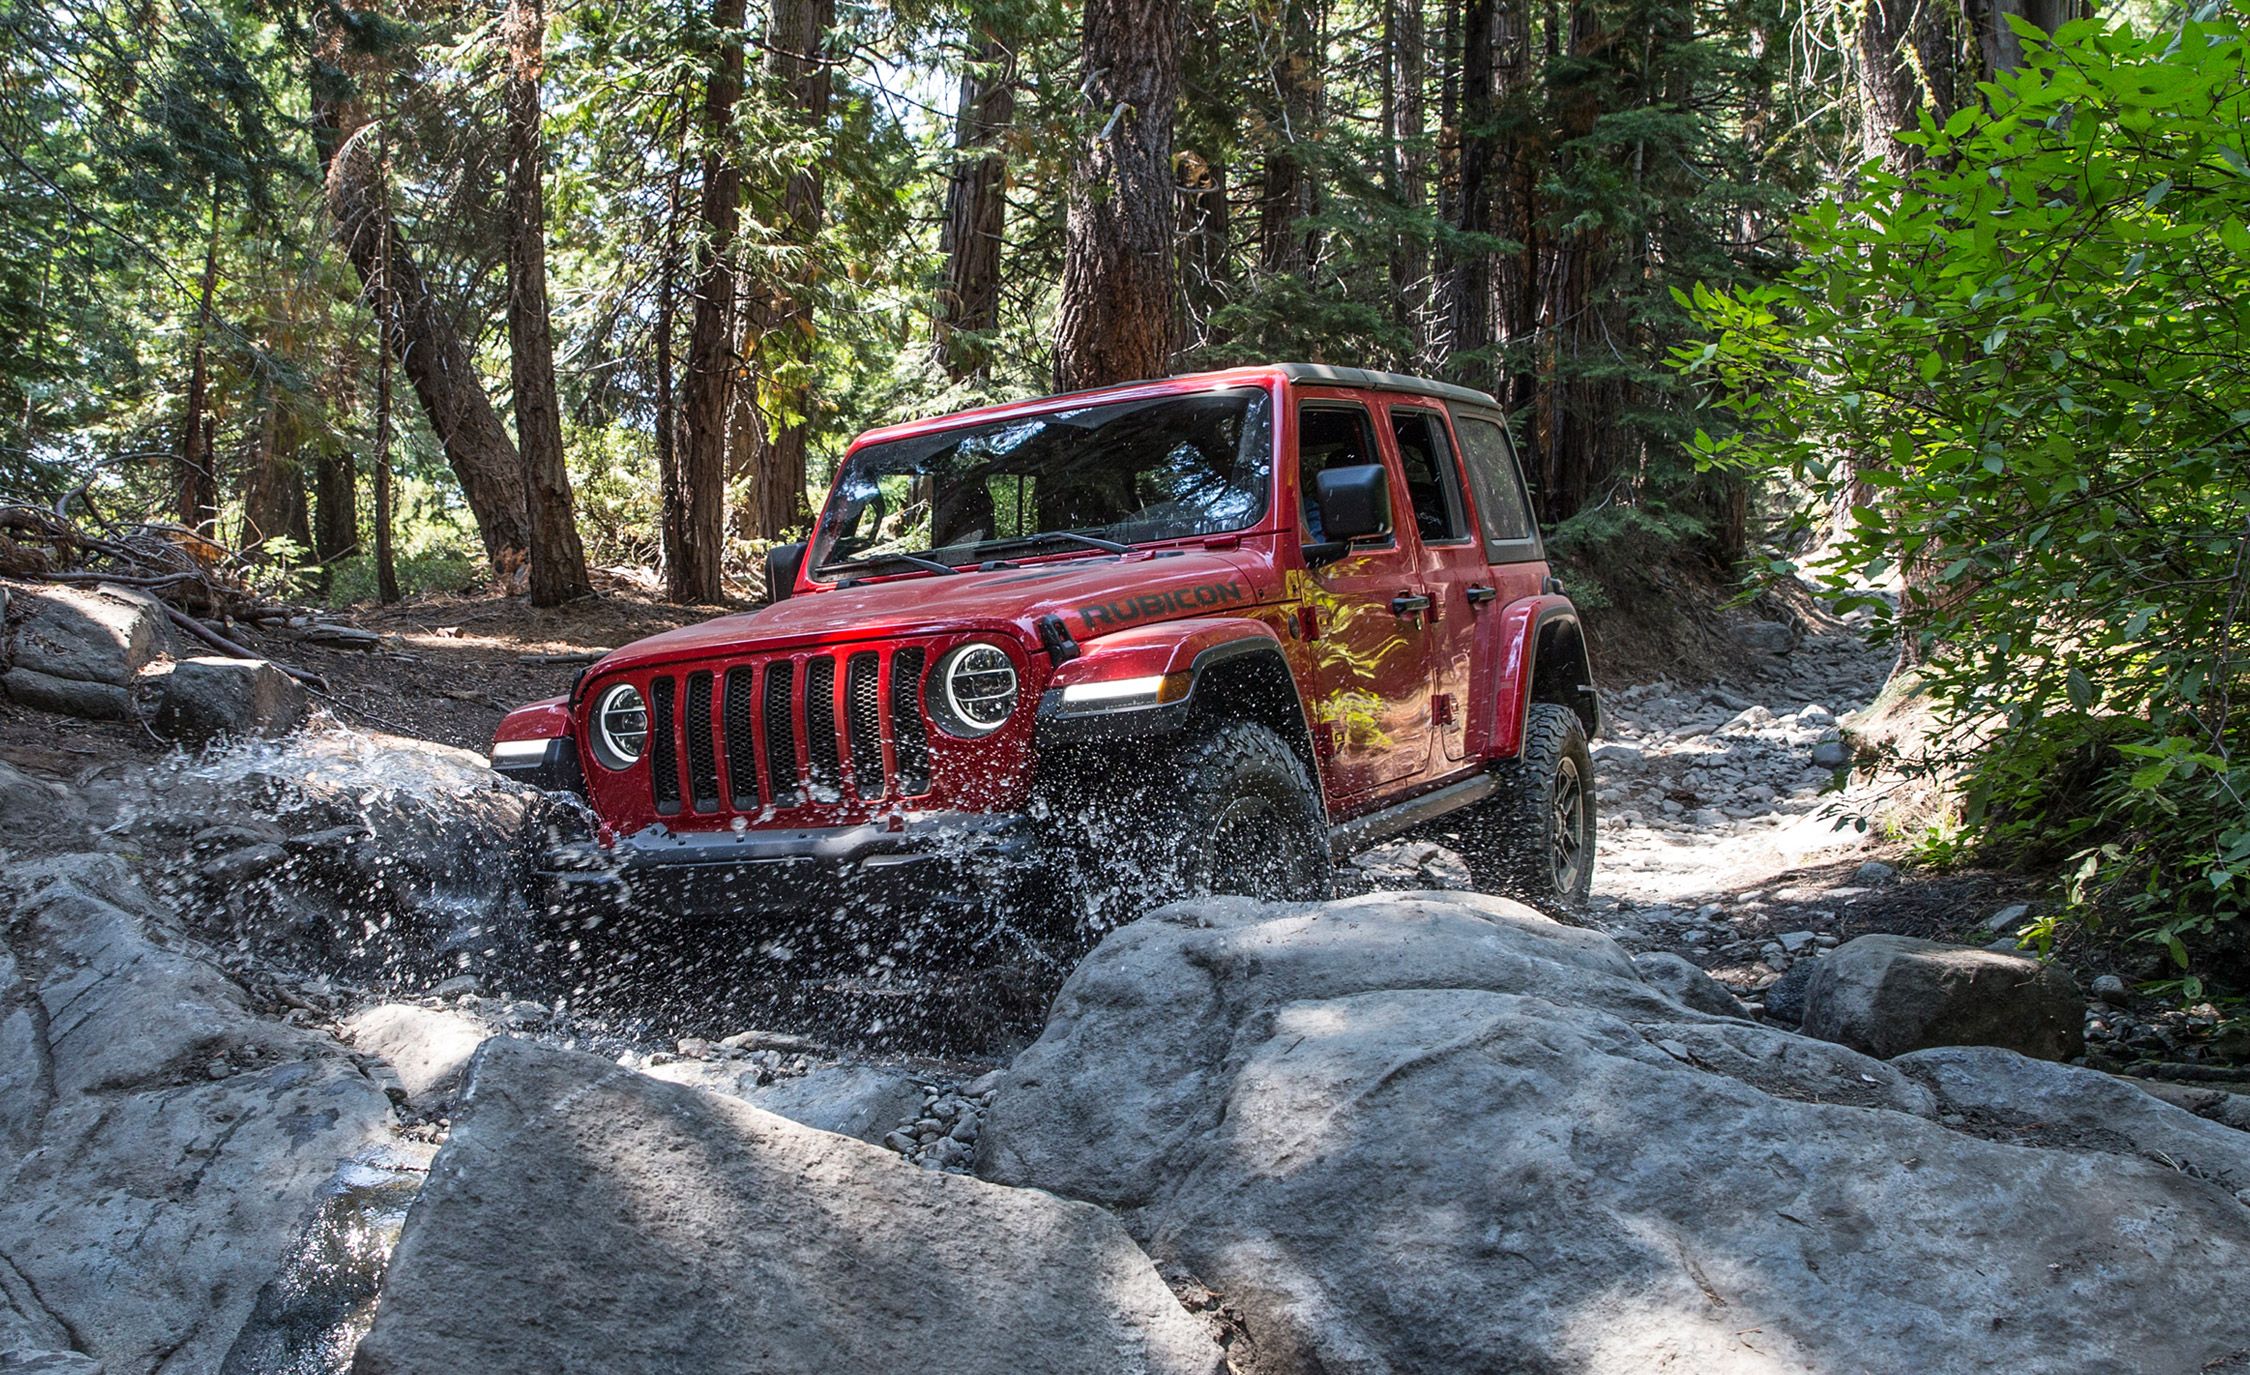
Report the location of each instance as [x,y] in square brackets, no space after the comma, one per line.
[940,857]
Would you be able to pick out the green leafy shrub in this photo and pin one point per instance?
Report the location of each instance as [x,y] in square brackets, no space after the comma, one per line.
[2024,371]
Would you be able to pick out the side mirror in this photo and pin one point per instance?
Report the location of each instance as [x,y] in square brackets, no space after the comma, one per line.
[782,563]
[1354,503]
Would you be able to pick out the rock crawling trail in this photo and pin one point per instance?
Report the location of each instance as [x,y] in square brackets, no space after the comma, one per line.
[1723,838]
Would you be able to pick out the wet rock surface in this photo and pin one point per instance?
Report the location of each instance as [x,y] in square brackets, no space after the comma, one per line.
[578,1203]
[163,1139]
[1597,1178]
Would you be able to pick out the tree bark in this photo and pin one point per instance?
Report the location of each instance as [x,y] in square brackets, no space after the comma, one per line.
[975,214]
[777,311]
[1286,192]
[419,333]
[558,559]
[1907,59]
[1116,319]
[1405,165]
[695,519]
[198,471]
[1469,293]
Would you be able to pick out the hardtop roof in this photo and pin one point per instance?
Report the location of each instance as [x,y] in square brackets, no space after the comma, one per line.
[1321,374]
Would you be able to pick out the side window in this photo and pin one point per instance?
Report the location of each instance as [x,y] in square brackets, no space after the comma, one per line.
[1329,436]
[1430,475]
[1501,507]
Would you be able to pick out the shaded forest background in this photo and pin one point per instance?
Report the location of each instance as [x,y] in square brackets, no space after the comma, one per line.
[1941,304]
[625,255]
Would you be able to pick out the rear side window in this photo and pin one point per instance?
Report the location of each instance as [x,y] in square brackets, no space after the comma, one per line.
[1501,508]
[1427,461]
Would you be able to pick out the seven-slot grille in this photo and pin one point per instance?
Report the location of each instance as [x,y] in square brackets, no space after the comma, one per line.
[781,731]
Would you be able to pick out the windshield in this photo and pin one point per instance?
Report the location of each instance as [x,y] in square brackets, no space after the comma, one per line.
[1168,467]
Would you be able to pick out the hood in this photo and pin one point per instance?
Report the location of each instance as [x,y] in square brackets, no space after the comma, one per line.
[1093,596]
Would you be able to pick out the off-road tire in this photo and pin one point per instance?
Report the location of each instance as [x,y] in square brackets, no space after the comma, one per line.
[1232,810]
[1533,840]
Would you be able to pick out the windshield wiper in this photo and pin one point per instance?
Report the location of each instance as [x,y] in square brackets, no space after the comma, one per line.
[878,560]
[1106,546]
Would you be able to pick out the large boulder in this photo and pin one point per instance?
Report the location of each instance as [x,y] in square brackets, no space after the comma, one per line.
[211,698]
[584,1217]
[1887,995]
[402,857]
[68,696]
[102,634]
[1441,1133]
[163,1143]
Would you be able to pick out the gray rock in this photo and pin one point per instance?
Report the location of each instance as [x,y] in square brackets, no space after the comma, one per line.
[1623,755]
[68,696]
[245,865]
[1351,1117]
[1830,754]
[143,1204]
[101,634]
[1785,997]
[1794,941]
[2226,1107]
[1686,984]
[2112,990]
[28,803]
[427,1047]
[210,698]
[18,1360]
[402,837]
[583,1217]
[1887,995]
[2007,917]
[1874,873]
[863,1101]
[1766,637]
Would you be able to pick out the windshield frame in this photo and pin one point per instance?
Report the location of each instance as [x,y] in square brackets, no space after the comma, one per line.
[1271,392]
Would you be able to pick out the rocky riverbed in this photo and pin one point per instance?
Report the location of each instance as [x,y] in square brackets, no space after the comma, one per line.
[286,1063]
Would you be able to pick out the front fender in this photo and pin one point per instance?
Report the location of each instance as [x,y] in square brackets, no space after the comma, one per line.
[1143,681]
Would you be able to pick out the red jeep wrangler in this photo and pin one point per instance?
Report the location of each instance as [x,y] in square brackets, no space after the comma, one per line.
[1200,634]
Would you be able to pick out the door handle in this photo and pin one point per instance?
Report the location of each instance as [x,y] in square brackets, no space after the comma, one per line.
[1478,594]
[1409,604]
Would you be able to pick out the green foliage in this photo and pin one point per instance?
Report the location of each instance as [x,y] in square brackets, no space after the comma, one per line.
[2024,373]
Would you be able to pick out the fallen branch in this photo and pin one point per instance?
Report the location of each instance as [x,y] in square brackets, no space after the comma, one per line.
[228,647]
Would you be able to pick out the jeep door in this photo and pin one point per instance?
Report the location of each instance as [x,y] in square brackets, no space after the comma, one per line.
[1452,563]
[1507,543]
[1369,643]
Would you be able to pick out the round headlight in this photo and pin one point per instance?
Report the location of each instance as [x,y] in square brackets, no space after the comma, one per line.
[620,726]
[973,691]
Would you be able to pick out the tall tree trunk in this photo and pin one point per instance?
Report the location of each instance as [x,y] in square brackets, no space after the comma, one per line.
[695,519]
[777,311]
[335,525]
[198,471]
[386,559]
[1207,129]
[558,560]
[1405,165]
[1469,294]
[975,210]
[273,491]
[418,332]
[672,503]
[1907,56]
[1116,320]
[1286,192]
[1516,214]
